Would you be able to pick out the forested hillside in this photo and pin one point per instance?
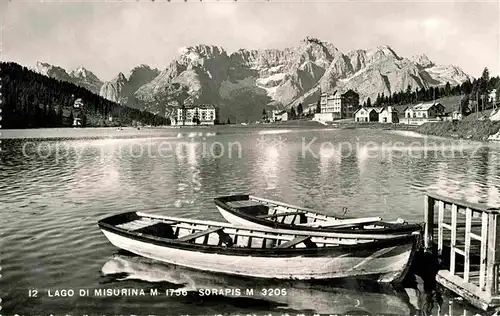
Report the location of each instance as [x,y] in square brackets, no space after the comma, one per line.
[32,100]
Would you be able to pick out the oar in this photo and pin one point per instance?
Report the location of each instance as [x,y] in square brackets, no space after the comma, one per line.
[344,222]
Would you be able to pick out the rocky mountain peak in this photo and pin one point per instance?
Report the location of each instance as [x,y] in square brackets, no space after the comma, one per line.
[382,52]
[422,60]
[120,77]
[52,71]
[201,51]
[248,80]
[80,72]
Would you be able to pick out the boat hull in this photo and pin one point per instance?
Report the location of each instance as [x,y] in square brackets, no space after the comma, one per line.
[387,264]
[237,220]
[235,217]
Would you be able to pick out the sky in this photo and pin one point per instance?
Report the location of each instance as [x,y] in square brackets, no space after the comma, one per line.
[108,37]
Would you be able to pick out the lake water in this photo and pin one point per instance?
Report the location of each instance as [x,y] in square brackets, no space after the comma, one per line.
[56,184]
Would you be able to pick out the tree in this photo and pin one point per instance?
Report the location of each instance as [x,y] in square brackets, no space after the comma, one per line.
[59,117]
[318,107]
[368,102]
[466,87]
[71,118]
[33,100]
[447,88]
[228,121]
[464,106]
[264,115]
[84,120]
[300,110]
[484,81]
[408,98]
[292,113]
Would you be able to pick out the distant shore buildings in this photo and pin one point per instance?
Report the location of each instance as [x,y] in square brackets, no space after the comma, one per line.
[424,112]
[202,114]
[383,114]
[336,106]
[78,108]
[279,115]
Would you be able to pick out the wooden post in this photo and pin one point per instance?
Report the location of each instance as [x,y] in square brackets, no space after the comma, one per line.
[429,222]
[440,226]
[453,245]
[468,225]
[490,258]
[484,245]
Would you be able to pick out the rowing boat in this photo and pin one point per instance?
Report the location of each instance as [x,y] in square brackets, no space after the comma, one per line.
[261,253]
[256,212]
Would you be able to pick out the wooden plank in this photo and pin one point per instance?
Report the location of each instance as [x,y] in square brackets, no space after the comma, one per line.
[484,245]
[137,224]
[490,256]
[243,203]
[440,226]
[475,206]
[459,251]
[344,222]
[269,216]
[194,236]
[453,237]
[250,235]
[476,237]
[295,241]
[284,205]
[429,221]
[469,291]
[468,220]
[447,226]
[321,216]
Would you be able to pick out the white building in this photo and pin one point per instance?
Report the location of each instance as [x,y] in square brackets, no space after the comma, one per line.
[423,112]
[331,103]
[388,114]
[336,106]
[278,115]
[204,114]
[492,96]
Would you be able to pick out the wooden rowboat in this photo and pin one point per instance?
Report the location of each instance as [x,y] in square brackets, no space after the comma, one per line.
[256,212]
[263,253]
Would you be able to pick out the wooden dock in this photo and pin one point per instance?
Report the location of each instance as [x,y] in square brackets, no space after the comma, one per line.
[463,236]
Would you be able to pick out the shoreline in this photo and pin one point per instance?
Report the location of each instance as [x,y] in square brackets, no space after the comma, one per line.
[462,130]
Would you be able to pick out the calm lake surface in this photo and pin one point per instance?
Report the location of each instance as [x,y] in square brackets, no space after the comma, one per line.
[56,184]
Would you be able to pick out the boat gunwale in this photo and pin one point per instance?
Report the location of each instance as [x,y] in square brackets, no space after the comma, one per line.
[370,246]
[391,228]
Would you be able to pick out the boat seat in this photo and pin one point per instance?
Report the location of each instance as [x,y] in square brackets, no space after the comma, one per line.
[194,236]
[305,239]
[270,216]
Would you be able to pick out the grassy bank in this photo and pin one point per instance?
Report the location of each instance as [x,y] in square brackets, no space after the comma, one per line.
[466,129]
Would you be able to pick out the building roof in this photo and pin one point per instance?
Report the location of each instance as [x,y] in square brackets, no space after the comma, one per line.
[393,109]
[280,112]
[424,106]
[329,94]
[370,108]
[199,106]
[350,92]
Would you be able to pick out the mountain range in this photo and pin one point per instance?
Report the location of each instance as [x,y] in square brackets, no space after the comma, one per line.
[244,82]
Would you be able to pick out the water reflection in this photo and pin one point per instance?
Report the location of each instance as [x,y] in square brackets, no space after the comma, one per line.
[345,298]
